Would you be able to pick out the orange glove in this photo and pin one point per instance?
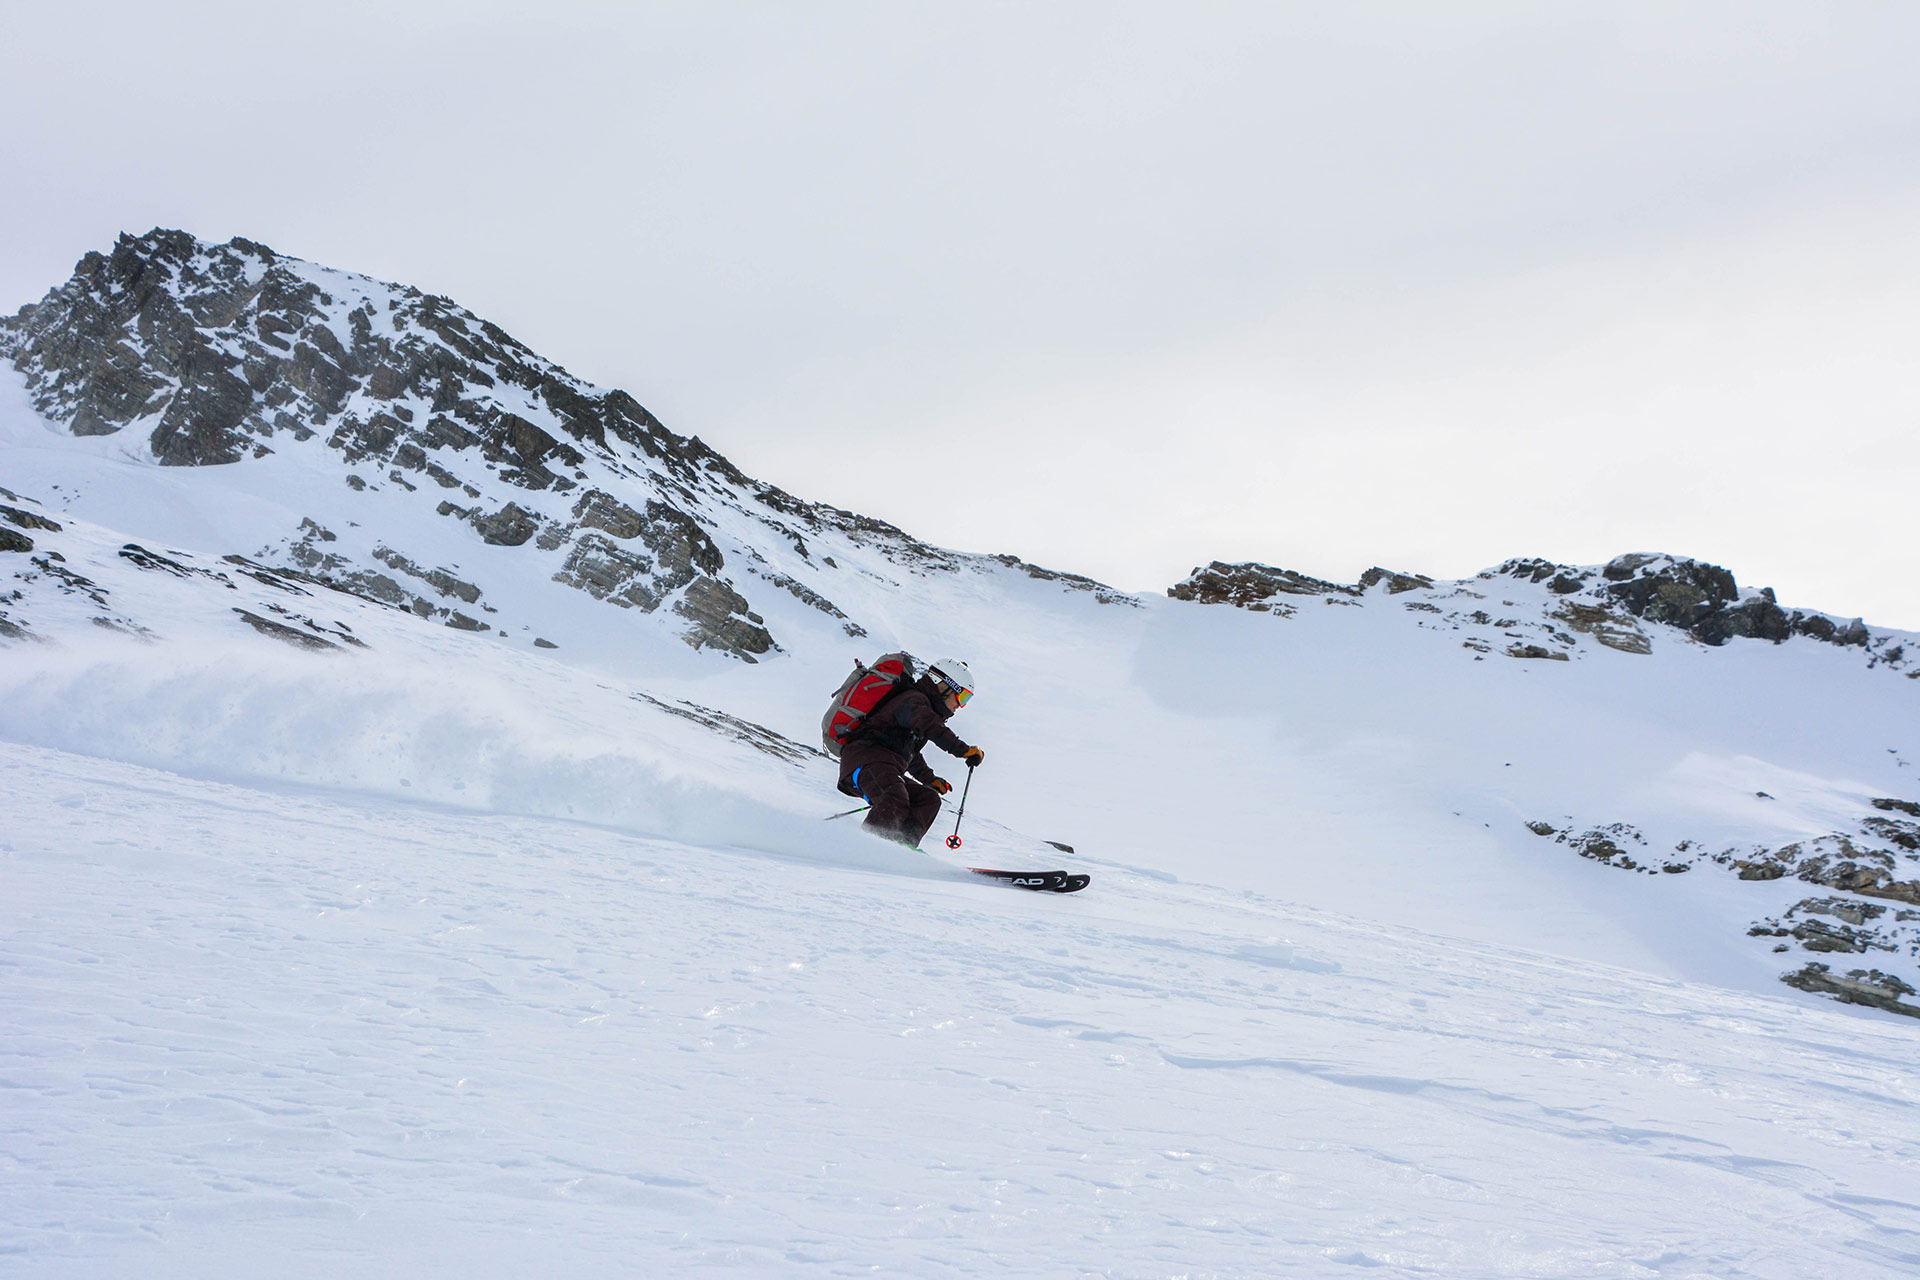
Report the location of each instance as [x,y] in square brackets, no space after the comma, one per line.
[974,757]
[941,785]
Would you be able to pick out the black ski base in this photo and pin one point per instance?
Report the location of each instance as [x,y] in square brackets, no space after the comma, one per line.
[1038,881]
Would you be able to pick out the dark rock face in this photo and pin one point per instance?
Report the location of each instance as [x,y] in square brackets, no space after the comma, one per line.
[1680,593]
[28,520]
[85,333]
[440,580]
[1894,831]
[1536,651]
[507,527]
[212,349]
[1866,862]
[1704,601]
[1615,604]
[1251,585]
[721,614]
[221,353]
[1700,599]
[1610,844]
[1609,627]
[1396,582]
[603,511]
[1868,987]
[14,538]
[637,560]
[1874,905]
[289,635]
[1823,925]
[604,571]
[1759,618]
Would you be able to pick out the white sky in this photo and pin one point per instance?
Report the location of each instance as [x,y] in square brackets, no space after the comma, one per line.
[1120,288]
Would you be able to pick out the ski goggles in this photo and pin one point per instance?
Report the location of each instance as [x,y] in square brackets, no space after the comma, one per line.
[960,696]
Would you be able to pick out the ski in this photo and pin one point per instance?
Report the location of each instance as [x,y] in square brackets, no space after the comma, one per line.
[1038,881]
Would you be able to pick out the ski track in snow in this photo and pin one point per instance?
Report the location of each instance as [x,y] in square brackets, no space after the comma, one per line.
[255,1031]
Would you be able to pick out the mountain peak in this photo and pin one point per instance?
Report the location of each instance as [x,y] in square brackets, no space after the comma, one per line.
[213,355]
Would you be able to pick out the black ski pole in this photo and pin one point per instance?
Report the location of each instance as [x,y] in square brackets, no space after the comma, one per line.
[848,814]
[953,841]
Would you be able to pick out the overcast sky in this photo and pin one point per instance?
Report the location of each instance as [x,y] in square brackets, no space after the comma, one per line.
[1121,288]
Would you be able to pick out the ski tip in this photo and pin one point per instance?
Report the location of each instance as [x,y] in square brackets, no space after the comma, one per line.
[1042,881]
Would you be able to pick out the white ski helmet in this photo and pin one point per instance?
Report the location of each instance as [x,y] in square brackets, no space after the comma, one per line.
[950,675]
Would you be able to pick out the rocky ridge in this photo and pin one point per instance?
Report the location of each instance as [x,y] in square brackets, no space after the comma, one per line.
[1621,605]
[213,355]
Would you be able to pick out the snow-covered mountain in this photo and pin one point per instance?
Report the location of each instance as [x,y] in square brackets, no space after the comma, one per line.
[368,683]
[187,354]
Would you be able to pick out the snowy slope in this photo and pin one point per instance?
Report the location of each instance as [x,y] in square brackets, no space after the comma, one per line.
[301,1033]
[1359,750]
[1435,926]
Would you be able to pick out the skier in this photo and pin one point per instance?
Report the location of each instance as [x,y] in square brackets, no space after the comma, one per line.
[880,755]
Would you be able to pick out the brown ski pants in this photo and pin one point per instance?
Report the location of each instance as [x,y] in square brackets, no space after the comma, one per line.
[903,807]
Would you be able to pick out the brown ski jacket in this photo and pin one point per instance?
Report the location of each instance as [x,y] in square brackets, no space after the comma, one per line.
[900,726]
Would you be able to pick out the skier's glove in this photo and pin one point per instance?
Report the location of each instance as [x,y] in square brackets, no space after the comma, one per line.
[974,757]
[941,785]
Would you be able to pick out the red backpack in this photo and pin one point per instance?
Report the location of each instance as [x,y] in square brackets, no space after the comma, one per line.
[859,694]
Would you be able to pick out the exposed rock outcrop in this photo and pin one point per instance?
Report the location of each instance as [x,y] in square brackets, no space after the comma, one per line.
[1700,599]
[1874,872]
[1835,924]
[1610,628]
[1253,586]
[1868,987]
[721,618]
[215,354]
[13,525]
[1621,605]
